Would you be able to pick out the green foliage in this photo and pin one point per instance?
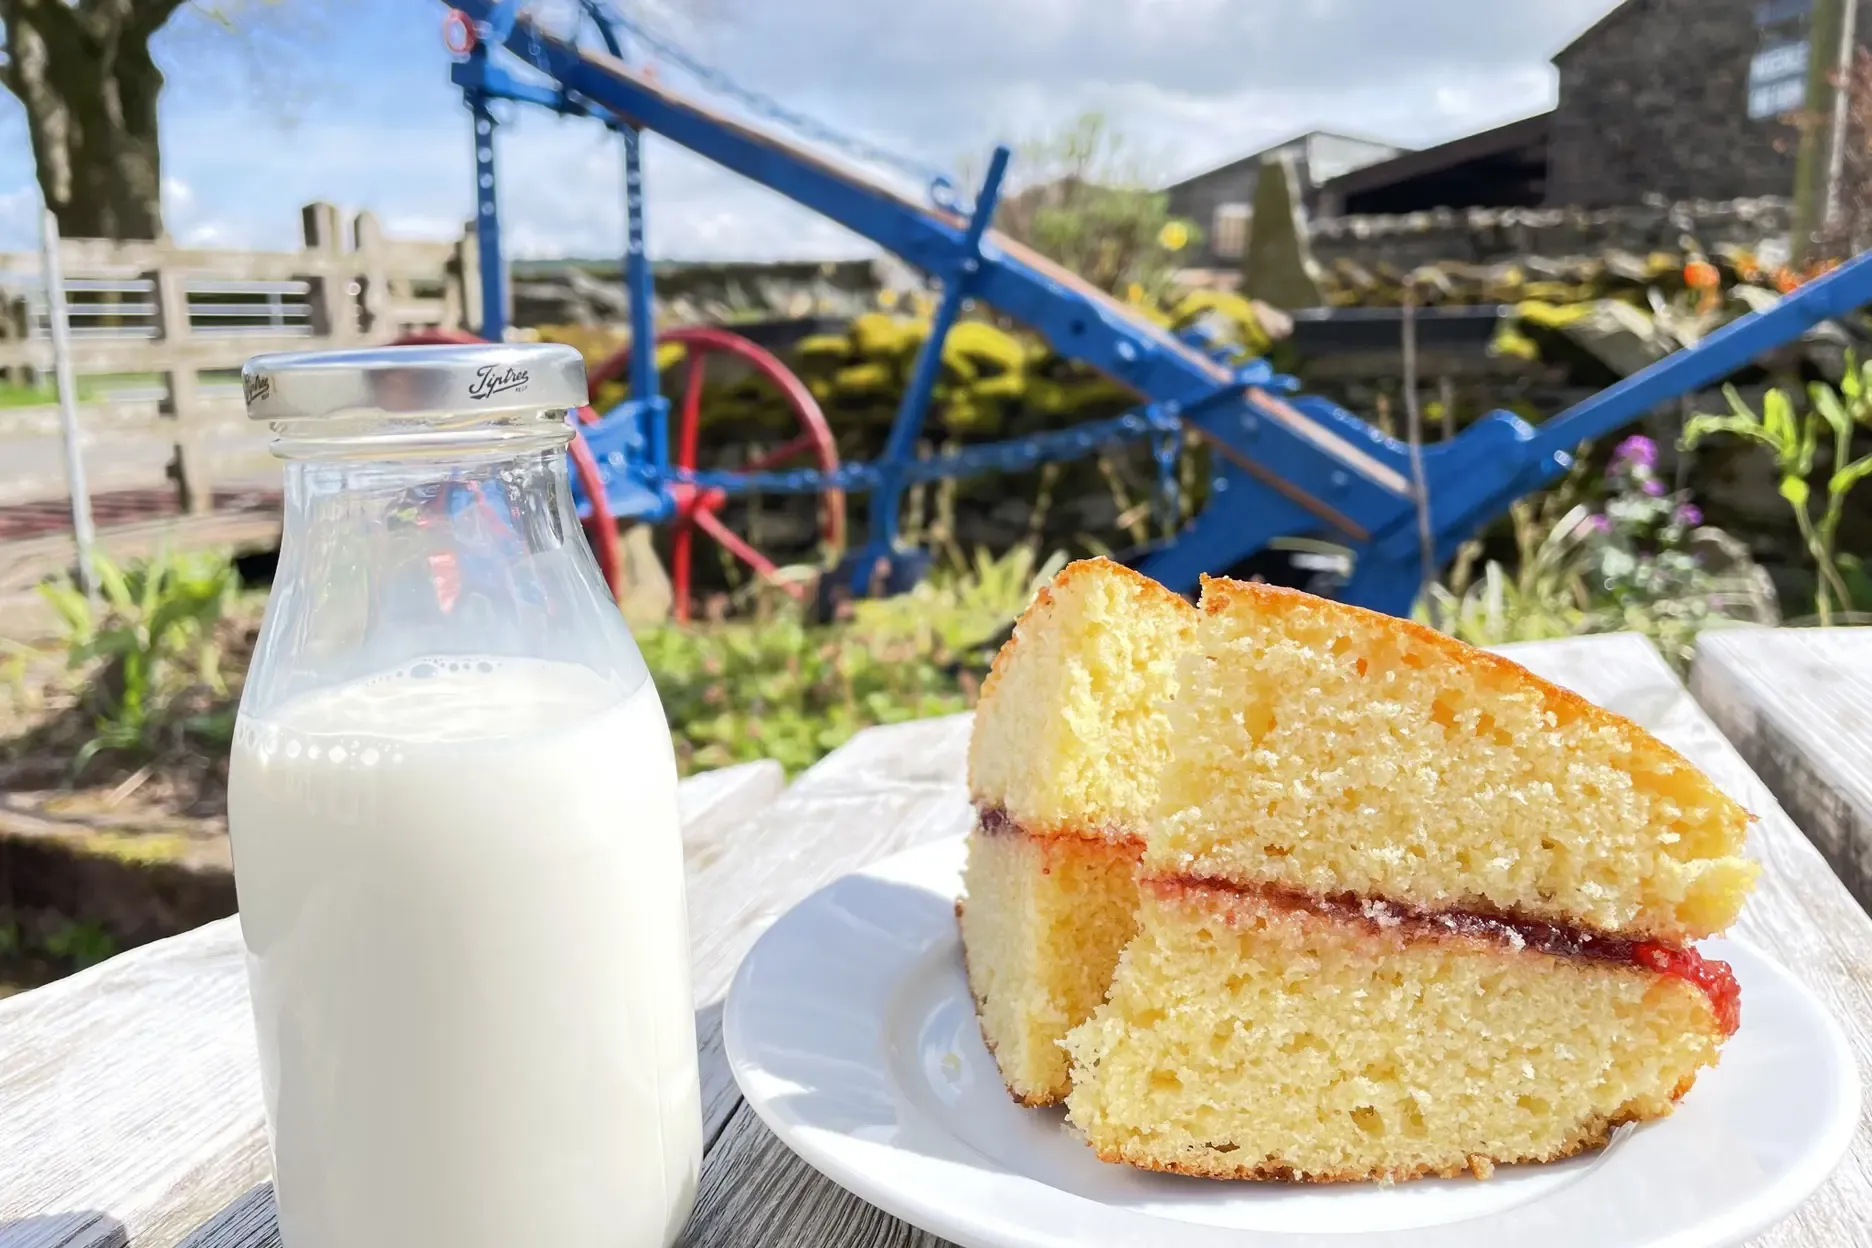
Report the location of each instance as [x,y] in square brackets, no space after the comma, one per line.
[1543,598]
[1085,204]
[79,944]
[775,686]
[1641,561]
[70,945]
[1793,439]
[959,607]
[151,635]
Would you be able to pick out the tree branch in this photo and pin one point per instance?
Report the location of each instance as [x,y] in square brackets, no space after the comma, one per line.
[151,14]
[107,19]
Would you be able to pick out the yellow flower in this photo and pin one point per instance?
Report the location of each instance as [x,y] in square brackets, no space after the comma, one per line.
[1134,293]
[887,298]
[1174,236]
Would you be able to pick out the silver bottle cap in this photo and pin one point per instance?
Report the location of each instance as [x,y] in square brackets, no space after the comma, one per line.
[449,380]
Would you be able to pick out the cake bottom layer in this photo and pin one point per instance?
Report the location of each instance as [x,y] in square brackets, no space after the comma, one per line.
[1249,1038]
[1043,921]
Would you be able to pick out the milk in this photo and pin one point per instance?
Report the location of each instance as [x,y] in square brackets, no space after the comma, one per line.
[461,887]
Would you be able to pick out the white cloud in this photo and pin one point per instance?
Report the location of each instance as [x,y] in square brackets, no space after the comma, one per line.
[1191,82]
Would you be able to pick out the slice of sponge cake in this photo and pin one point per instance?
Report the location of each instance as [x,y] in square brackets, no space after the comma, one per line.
[1321,748]
[1069,739]
[1405,909]
[1251,1035]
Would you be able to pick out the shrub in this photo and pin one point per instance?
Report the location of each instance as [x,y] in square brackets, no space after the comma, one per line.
[776,686]
[1794,442]
[1640,561]
[153,637]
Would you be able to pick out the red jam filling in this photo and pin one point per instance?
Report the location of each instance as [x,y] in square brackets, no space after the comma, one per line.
[1716,980]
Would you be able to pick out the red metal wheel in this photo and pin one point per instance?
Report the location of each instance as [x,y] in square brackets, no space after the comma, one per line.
[458,33]
[600,524]
[700,509]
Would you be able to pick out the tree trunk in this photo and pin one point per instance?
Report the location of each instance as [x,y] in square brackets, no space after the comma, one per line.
[84,74]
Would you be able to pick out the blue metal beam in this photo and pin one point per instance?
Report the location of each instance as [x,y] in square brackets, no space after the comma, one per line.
[1315,459]
[493,82]
[957,280]
[487,224]
[1732,347]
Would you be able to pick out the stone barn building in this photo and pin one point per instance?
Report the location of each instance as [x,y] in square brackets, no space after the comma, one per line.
[1679,99]
[1684,99]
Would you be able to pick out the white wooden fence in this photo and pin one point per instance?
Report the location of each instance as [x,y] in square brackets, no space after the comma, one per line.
[176,323]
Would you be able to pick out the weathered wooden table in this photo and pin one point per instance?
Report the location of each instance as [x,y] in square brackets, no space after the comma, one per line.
[129,1100]
[1797,702]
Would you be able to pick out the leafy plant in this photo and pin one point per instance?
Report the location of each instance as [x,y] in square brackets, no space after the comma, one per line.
[1084,203]
[1794,441]
[776,686]
[80,943]
[154,630]
[1545,597]
[1642,561]
[959,607]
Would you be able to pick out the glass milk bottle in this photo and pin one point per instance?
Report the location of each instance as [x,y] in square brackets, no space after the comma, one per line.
[452,802]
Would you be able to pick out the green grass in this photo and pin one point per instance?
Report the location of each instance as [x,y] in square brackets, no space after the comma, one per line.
[90,388]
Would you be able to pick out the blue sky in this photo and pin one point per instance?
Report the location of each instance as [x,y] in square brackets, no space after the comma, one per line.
[349,101]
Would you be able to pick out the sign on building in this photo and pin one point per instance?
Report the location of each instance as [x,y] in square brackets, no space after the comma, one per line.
[1777,81]
[1781,12]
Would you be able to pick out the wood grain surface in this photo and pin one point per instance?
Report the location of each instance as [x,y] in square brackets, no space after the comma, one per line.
[1797,703]
[130,1107]
[154,1142]
[754,1191]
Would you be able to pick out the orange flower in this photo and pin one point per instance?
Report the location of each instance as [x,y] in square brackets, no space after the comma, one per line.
[1700,274]
[1785,279]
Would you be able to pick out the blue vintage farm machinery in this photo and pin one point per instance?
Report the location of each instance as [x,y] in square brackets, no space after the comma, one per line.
[1284,464]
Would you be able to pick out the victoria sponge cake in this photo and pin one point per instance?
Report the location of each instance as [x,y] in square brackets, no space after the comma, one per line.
[1404,908]
[1070,737]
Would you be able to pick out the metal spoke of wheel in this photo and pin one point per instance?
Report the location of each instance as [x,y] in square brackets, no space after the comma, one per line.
[705,519]
[689,429]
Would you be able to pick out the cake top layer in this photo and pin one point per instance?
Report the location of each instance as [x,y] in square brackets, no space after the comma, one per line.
[1330,750]
[1071,732]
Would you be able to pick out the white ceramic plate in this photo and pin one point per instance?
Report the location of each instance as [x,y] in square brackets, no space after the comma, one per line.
[850,1030]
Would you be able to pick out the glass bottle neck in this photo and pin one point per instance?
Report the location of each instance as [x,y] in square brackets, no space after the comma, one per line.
[393,560]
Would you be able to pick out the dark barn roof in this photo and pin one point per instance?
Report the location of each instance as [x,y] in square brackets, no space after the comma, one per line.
[1501,168]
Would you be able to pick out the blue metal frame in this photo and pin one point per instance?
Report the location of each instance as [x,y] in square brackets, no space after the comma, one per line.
[1283,464]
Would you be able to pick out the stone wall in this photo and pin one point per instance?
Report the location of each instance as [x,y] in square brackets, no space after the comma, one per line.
[1487,235]
[580,292]
[1654,100]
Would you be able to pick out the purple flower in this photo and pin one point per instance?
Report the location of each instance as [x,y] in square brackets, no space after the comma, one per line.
[1653,487]
[1689,515]
[1600,524]
[1636,451]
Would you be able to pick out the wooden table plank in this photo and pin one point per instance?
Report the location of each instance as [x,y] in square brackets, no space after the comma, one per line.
[755,1191]
[902,786]
[1797,703]
[130,1103]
